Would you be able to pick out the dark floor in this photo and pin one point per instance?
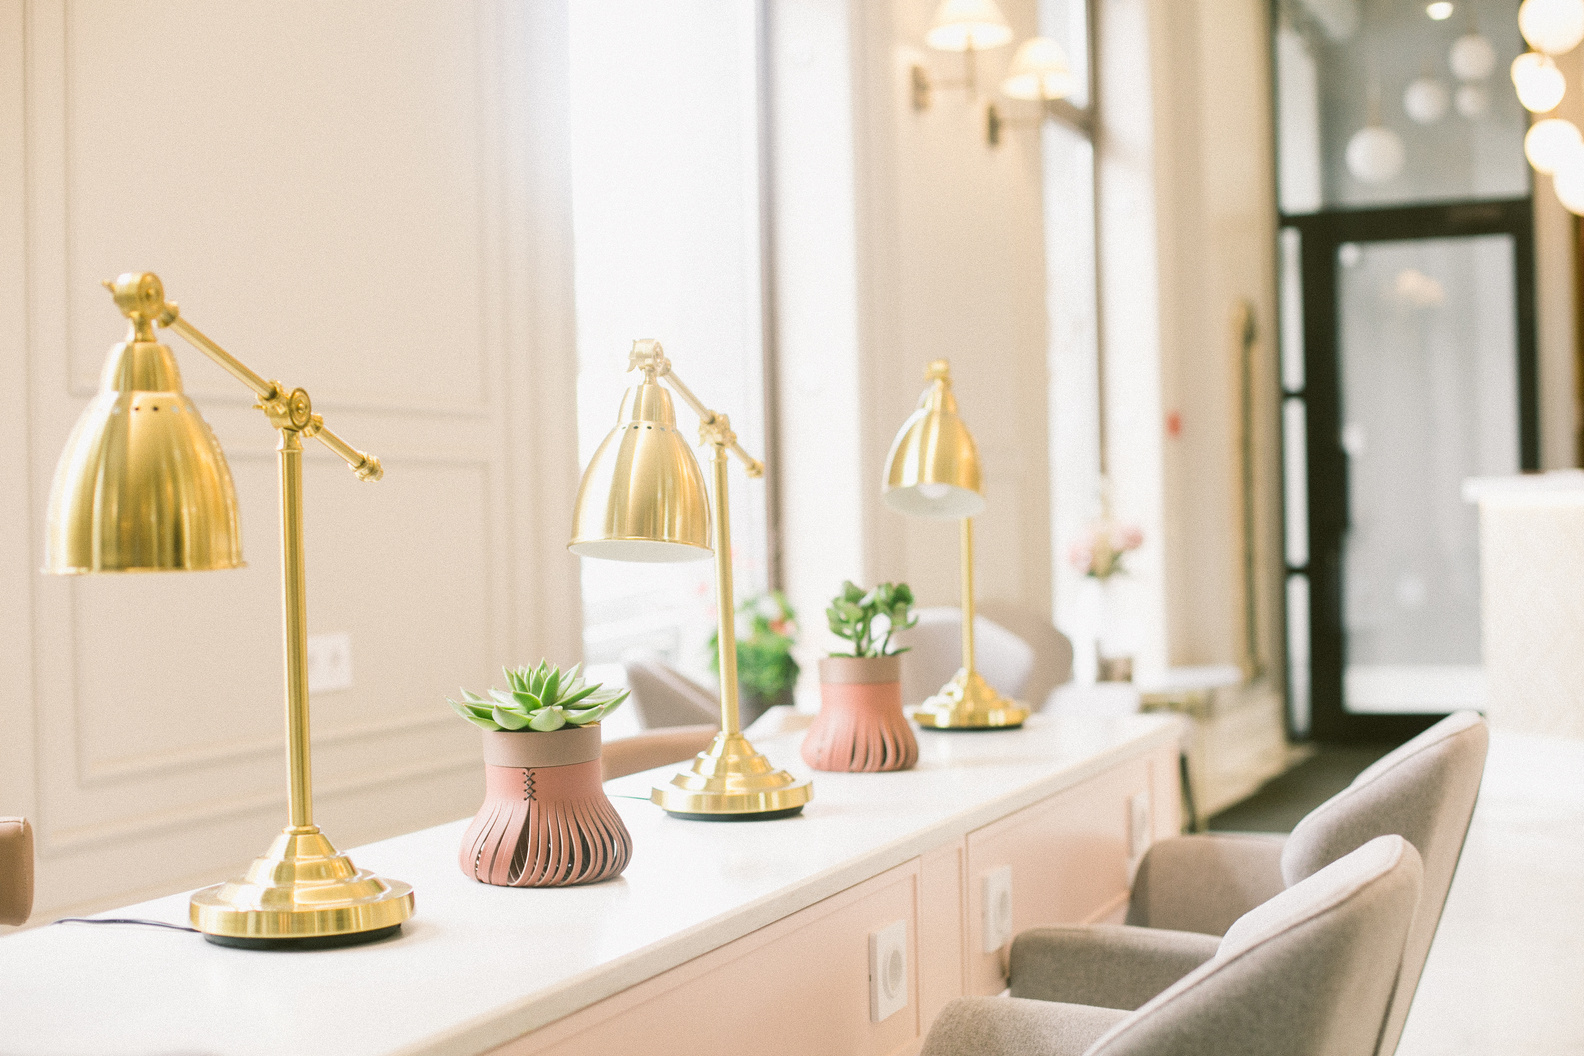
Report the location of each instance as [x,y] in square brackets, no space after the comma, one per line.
[1283,801]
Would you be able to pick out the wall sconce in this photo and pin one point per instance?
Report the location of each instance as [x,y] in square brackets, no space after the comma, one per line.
[968,26]
[1040,73]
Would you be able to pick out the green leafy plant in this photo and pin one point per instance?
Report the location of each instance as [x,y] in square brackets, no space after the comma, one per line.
[542,698]
[765,666]
[853,613]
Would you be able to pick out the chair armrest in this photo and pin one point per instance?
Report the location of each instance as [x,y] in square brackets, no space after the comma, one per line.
[1106,965]
[1008,1026]
[652,748]
[1203,883]
[16,870]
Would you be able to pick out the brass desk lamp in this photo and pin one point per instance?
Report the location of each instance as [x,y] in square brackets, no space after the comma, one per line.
[933,471]
[143,487]
[643,498]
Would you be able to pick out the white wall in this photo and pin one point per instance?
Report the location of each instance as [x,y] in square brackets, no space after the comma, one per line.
[945,259]
[369,202]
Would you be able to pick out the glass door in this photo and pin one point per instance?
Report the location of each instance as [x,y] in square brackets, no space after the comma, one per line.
[1417,373]
[1429,365]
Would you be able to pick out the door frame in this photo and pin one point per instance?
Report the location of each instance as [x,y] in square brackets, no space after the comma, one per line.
[1320,236]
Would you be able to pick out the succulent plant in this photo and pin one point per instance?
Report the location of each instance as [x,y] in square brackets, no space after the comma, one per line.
[853,612]
[542,698]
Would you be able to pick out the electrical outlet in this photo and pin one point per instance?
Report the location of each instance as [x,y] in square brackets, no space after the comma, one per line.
[1138,825]
[329,662]
[997,930]
[888,971]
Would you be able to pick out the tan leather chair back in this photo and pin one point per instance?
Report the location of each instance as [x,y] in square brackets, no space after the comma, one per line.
[645,751]
[16,870]
[664,696]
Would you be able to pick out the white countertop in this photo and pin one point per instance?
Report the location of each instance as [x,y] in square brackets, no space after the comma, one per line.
[478,966]
[1562,487]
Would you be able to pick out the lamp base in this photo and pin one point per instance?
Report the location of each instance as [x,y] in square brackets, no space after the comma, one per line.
[730,781]
[968,702]
[301,894]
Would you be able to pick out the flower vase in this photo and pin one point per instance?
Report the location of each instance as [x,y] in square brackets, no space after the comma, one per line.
[860,727]
[546,821]
[1113,643]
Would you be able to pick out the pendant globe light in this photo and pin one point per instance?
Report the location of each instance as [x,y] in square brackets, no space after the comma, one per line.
[1472,57]
[1426,100]
[1550,144]
[1539,83]
[1552,26]
[1471,100]
[1568,183]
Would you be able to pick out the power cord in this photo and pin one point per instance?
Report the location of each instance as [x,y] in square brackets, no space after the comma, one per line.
[124,920]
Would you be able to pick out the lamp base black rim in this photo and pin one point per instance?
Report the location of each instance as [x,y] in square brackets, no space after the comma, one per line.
[307,942]
[763,815]
[970,729]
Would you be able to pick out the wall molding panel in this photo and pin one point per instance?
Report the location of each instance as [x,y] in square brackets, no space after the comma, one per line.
[394,236]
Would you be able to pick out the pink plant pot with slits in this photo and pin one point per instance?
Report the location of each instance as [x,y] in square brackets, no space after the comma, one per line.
[546,821]
[860,727]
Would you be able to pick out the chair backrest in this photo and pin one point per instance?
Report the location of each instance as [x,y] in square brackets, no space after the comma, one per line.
[1308,973]
[664,696]
[1053,650]
[935,655]
[1423,791]
[16,870]
[652,748]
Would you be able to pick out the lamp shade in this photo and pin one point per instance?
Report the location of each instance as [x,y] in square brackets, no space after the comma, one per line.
[933,467]
[963,24]
[142,485]
[1039,71]
[642,497]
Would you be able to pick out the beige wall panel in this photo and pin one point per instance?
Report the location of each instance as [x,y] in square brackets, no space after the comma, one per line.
[157,673]
[369,202]
[304,176]
[18,561]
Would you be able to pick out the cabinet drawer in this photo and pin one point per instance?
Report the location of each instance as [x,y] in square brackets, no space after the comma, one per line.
[797,987]
[1069,861]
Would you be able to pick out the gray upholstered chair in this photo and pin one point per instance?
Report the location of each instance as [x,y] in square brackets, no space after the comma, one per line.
[652,748]
[935,645]
[1308,973]
[1423,791]
[1053,650]
[664,696]
[16,870]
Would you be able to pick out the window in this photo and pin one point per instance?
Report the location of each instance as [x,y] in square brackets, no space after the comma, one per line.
[1076,435]
[666,231]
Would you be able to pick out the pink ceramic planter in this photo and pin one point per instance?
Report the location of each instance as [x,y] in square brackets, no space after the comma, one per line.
[860,727]
[546,821]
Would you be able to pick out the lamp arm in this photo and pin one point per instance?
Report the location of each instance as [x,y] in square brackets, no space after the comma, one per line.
[141,298]
[716,427]
[648,356]
[285,410]
[172,320]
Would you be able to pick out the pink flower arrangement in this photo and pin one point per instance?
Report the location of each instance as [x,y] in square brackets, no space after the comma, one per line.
[1100,553]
